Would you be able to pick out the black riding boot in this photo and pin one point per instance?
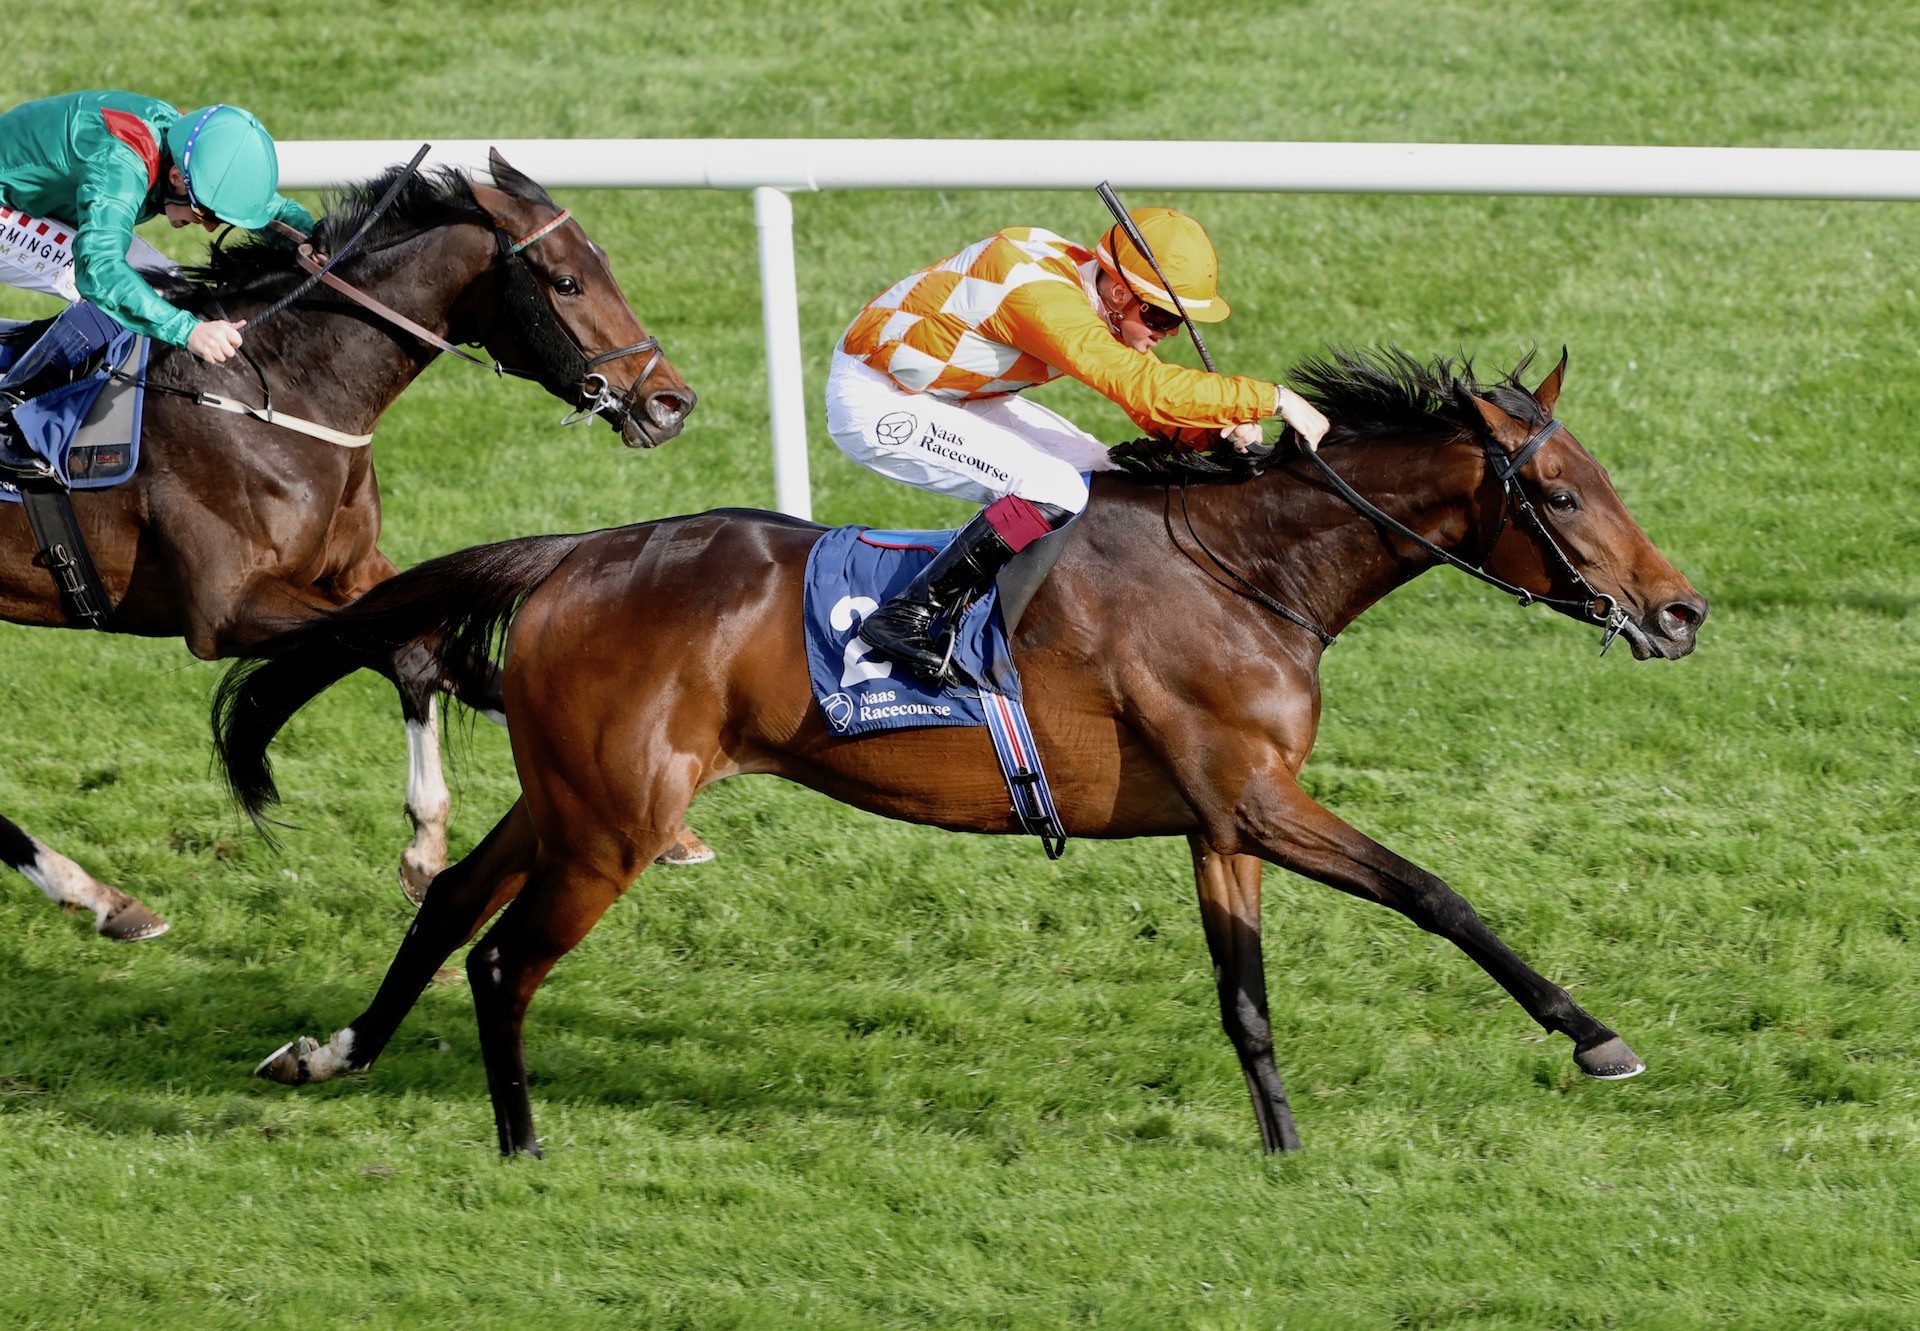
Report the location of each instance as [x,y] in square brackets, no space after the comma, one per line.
[72,346]
[17,461]
[902,629]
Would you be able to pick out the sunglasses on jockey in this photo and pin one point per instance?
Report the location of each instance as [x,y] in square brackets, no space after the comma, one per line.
[1157,321]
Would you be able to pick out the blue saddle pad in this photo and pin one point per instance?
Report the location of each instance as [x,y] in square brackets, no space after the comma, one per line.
[850,572]
[89,429]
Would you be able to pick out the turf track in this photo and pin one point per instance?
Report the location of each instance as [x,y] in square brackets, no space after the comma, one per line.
[859,1074]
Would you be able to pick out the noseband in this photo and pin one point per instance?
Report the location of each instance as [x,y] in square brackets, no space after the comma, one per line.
[560,362]
[562,367]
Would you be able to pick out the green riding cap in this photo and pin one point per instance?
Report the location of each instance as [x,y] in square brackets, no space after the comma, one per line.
[228,159]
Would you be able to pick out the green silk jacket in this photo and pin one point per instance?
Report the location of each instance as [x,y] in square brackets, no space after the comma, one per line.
[99,161]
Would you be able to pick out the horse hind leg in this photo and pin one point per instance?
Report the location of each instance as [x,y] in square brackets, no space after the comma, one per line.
[417,677]
[115,914]
[585,867]
[1229,890]
[461,900]
[562,903]
[428,803]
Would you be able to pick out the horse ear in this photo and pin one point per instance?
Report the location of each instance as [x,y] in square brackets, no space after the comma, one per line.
[1548,392]
[1504,428]
[513,182]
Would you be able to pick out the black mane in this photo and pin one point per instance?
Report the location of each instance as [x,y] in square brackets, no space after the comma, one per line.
[429,200]
[1366,395]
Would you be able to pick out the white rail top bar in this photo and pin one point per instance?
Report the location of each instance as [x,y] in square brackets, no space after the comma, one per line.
[802,165]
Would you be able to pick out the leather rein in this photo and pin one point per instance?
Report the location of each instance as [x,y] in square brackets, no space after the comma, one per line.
[568,364]
[595,394]
[1593,607]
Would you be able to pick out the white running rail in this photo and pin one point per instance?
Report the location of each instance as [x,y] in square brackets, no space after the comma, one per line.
[773,169]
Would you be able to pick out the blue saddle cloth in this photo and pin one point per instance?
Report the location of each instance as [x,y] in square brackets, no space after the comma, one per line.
[88,430]
[850,572]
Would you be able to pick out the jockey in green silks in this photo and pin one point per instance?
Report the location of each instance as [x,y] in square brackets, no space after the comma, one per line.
[79,171]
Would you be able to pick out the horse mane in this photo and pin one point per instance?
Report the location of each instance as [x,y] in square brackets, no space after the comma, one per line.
[429,200]
[1366,395]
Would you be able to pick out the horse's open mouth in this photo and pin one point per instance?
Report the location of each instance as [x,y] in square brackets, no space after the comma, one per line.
[649,424]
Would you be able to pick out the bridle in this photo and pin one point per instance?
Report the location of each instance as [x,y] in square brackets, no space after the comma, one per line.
[563,362]
[1593,607]
[561,365]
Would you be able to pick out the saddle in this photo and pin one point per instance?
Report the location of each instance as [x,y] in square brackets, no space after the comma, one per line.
[82,422]
[850,572]
[70,392]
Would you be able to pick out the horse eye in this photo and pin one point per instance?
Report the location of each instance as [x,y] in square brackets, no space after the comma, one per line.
[1563,501]
[567,286]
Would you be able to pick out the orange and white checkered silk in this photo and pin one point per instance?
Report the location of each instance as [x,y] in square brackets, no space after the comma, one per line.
[1019,309]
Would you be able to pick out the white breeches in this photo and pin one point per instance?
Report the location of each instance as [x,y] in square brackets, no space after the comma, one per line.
[36,253]
[971,450]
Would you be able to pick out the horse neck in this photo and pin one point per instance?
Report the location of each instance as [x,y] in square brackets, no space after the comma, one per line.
[1293,537]
[368,361]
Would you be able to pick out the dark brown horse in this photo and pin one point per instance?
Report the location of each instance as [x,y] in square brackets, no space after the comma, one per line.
[647,661]
[233,528]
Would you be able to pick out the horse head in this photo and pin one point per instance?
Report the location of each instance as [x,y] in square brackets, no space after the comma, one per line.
[568,325]
[1561,532]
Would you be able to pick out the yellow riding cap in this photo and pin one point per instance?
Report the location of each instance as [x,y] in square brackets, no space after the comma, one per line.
[1186,256]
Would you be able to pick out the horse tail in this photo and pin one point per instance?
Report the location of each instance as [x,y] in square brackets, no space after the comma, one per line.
[456,608]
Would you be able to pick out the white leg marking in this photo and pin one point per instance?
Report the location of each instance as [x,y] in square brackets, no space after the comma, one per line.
[332,1058]
[427,804]
[70,885]
[298,1062]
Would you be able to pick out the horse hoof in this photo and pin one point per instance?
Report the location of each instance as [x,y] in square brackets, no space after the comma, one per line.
[1609,1060]
[415,878]
[288,1064]
[131,923]
[687,848]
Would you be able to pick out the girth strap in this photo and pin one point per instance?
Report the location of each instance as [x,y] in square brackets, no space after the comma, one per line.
[312,429]
[63,551]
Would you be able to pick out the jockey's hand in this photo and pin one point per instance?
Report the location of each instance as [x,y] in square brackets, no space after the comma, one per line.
[1243,436]
[1304,417]
[214,340]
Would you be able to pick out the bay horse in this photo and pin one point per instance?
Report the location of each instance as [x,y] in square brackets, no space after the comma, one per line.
[232,528]
[644,662]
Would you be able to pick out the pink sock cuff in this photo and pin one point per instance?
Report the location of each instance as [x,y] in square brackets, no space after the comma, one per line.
[1017,521]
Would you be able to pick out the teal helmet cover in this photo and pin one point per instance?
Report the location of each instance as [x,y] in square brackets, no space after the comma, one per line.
[229,163]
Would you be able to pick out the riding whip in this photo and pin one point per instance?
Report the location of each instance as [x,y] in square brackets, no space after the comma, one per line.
[386,200]
[1125,219]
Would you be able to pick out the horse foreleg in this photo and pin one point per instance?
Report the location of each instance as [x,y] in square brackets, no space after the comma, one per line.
[1229,888]
[115,914]
[461,900]
[1282,824]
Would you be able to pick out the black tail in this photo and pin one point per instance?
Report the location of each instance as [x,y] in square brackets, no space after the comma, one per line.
[456,607]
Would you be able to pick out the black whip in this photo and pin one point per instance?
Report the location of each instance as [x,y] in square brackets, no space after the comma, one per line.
[386,201]
[1122,216]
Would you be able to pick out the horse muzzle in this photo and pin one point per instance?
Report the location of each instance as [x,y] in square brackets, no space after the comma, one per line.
[654,419]
[1669,632]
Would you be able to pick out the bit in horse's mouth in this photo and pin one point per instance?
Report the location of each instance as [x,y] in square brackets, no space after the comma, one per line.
[1646,646]
[1637,640]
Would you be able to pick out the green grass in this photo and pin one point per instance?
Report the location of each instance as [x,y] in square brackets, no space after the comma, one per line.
[862,1074]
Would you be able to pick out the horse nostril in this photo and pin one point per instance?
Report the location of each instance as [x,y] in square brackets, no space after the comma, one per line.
[669,408]
[1678,619]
